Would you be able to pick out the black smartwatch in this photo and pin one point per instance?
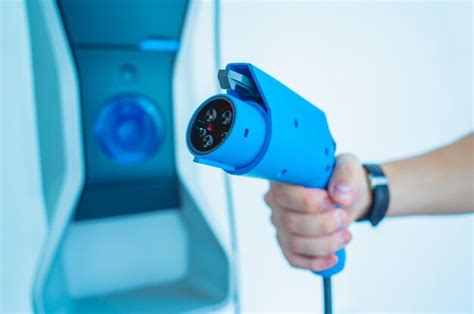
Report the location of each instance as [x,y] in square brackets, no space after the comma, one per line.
[380,194]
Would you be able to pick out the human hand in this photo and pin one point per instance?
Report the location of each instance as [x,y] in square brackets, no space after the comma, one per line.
[310,229]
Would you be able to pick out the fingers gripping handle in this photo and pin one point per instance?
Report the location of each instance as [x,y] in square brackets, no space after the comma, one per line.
[341,262]
[341,255]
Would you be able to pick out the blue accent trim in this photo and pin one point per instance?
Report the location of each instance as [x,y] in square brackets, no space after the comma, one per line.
[159,45]
[213,163]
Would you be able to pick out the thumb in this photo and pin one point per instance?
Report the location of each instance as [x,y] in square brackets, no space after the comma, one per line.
[343,184]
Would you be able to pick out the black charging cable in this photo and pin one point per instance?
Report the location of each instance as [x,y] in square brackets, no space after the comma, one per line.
[327,295]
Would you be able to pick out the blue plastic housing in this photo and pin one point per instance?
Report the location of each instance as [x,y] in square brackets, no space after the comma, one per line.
[287,138]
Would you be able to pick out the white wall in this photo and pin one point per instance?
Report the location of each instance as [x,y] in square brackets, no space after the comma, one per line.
[395,79]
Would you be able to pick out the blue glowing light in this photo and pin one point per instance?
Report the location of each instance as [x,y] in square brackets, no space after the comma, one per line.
[129,129]
[159,45]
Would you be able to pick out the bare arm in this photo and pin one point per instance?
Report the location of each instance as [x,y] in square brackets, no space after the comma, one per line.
[439,182]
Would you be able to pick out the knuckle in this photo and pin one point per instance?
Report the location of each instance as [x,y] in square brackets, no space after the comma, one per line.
[278,238]
[272,219]
[278,197]
[295,244]
[281,242]
[289,221]
[292,261]
[268,198]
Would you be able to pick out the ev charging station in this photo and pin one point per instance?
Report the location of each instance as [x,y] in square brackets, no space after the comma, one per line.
[133,224]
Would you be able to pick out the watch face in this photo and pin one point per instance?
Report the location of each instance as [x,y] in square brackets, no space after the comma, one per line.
[380,194]
[377,180]
[211,125]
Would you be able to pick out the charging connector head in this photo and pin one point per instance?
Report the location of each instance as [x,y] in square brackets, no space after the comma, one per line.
[211,125]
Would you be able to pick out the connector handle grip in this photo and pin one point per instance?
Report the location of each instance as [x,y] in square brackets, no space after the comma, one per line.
[341,255]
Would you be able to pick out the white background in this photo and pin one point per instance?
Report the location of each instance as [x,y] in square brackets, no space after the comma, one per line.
[395,79]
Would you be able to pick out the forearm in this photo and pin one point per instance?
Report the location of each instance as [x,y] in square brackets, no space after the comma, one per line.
[439,182]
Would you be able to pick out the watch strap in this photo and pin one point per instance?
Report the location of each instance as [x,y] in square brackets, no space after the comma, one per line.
[380,194]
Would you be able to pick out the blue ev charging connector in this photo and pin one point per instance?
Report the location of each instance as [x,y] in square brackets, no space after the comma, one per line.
[263,129]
